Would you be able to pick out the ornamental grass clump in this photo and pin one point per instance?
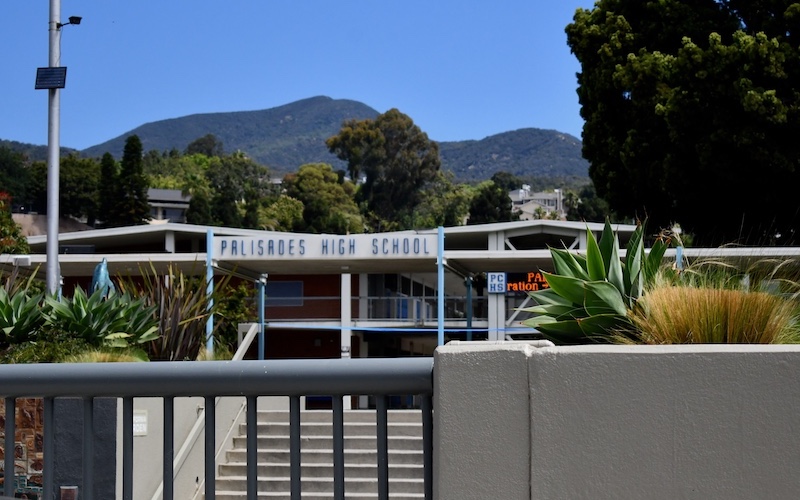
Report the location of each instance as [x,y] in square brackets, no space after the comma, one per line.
[708,315]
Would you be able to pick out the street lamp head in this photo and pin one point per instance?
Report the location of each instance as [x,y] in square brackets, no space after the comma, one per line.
[72,20]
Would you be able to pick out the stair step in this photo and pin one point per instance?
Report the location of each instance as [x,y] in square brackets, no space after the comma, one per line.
[326,428]
[409,416]
[272,495]
[320,485]
[324,470]
[326,442]
[266,456]
[405,456]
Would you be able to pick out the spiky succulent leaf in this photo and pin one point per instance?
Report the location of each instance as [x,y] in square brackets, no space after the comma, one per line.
[565,263]
[601,327]
[606,244]
[594,259]
[654,259]
[549,296]
[603,298]
[567,287]
[634,264]
[615,272]
[562,332]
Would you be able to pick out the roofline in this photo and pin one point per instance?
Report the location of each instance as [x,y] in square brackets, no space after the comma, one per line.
[147,229]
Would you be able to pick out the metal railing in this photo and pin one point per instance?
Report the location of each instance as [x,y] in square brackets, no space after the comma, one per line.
[209,379]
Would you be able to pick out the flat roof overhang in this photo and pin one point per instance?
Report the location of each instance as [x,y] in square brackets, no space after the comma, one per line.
[194,263]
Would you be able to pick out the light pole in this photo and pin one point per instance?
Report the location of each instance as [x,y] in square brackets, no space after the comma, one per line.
[53,78]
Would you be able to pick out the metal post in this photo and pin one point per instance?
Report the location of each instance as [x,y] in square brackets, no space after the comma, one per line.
[210,292]
[440,253]
[53,154]
[88,449]
[8,444]
[468,283]
[262,285]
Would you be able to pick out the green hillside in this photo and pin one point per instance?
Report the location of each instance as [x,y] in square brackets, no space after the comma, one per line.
[282,138]
[285,137]
[31,152]
[524,153]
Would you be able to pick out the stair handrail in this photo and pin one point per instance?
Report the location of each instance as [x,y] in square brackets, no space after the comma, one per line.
[200,422]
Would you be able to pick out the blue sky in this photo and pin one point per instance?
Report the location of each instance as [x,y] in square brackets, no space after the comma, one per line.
[460,69]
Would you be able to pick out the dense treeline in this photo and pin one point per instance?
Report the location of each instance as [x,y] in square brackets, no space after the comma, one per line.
[393,182]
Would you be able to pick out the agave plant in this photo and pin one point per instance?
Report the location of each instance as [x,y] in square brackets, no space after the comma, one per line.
[589,296]
[20,316]
[117,321]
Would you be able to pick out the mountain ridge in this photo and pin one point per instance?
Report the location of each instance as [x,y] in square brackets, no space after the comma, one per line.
[285,137]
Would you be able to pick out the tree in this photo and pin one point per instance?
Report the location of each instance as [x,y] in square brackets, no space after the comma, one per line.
[207,145]
[11,238]
[327,205]
[199,211]
[235,180]
[107,189]
[14,175]
[394,159]
[692,112]
[79,188]
[507,181]
[444,203]
[490,204]
[284,214]
[130,206]
[587,206]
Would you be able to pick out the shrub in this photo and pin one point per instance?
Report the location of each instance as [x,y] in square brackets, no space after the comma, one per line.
[118,321]
[181,308]
[688,314]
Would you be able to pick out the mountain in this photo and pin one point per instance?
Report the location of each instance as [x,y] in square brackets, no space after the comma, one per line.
[32,152]
[525,152]
[285,137]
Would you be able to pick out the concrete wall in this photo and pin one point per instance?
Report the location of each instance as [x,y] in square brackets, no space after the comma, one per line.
[513,421]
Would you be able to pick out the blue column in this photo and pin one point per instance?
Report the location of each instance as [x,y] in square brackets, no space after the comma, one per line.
[210,291]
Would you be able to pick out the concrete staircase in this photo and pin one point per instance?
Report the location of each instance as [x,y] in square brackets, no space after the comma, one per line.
[360,455]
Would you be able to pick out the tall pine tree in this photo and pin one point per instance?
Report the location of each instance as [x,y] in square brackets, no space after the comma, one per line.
[107,190]
[130,206]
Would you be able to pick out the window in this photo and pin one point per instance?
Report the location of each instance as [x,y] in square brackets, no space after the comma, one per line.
[284,294]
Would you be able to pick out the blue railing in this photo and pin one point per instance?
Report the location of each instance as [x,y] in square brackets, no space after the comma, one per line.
[211,379]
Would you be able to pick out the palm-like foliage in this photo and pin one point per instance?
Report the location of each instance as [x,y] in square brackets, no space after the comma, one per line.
[181,308]
[589,296]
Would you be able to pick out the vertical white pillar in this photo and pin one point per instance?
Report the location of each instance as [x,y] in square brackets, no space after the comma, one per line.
[346,314]
[347,322]
[169,241]
[496,301]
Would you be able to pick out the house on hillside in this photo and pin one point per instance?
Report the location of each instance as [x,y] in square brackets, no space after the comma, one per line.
[538,205]
[167,205]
